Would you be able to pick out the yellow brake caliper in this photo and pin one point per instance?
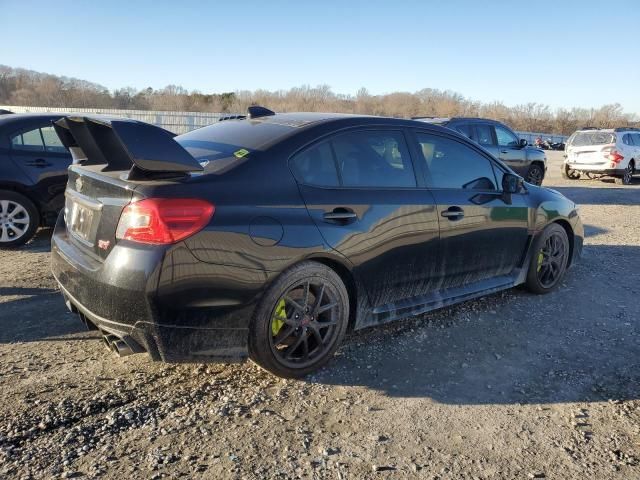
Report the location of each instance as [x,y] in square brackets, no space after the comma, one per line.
[540,260]
[276,323]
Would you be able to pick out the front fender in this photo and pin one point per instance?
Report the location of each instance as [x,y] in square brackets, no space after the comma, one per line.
[551,207]
[535,154]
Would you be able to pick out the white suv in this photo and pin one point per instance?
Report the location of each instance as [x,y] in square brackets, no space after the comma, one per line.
[603,152]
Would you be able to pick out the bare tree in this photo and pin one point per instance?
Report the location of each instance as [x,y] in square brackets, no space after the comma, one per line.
[29,88]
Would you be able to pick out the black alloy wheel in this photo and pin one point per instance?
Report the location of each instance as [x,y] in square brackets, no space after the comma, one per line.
[549,260]
[300,321]
[627,176]
[303,324]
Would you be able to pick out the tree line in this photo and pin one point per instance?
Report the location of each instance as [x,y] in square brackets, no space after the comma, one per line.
[29,88]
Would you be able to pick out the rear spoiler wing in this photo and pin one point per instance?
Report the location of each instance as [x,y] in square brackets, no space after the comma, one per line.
[124,144]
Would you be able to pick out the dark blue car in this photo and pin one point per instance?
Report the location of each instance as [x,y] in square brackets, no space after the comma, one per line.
[33,175]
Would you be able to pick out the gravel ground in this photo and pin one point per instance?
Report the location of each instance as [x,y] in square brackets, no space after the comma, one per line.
[510,386]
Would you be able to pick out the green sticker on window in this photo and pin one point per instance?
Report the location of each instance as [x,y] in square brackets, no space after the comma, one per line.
[241,153]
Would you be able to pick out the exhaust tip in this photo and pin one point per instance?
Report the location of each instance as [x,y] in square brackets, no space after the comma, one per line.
[124,346]
[121,348]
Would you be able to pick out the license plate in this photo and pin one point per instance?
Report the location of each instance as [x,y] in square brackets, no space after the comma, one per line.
[79,220]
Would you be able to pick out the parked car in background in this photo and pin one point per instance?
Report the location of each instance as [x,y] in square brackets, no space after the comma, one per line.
[528,161]
[33,175]
[598,153]
[270,236]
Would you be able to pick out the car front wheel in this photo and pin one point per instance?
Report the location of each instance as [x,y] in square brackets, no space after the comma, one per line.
[19,219]
[300,321]
[549,259]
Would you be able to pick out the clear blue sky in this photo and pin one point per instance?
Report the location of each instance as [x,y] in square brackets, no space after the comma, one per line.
[561,53]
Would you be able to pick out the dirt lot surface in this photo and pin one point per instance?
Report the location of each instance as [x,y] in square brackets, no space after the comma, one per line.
[510,386]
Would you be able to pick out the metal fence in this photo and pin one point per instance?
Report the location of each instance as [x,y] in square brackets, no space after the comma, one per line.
[182,122]
[176,122]
[530,137]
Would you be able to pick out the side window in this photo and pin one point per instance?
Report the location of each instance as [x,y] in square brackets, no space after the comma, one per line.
[465,129]
[452,164]
[31,140]
[316,166]
[505,137]
[52,142]
[625,139]
[373,158]
[485,134]
[636,138]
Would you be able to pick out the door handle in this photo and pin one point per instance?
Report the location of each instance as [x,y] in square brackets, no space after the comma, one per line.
[39,162]
[340,215]
[453,213]
[504,151]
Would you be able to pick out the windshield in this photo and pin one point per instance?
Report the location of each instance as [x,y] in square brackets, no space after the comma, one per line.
[582,139]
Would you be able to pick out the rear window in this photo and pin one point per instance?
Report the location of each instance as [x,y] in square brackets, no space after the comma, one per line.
[229,141]
[583,139]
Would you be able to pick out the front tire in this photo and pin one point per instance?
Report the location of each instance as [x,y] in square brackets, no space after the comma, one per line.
[549,260]
[535,174]
[19,219]
[300,321]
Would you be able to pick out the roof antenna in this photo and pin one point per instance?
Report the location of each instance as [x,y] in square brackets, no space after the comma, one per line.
[256,111]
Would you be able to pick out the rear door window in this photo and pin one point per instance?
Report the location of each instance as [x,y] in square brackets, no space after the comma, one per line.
[316,166]
[367,158]
[451,164]
[465,129]
[484,132]
[373,158]
[52,142]
[30,140]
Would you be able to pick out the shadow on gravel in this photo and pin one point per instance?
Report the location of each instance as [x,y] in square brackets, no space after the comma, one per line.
[41,241]
[25,291]
[594,231]
[629,195]
[42,316]
[580,343]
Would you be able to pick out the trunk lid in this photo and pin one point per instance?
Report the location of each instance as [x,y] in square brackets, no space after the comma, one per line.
[110,157]
[94,201]
[589,155]
[590,147]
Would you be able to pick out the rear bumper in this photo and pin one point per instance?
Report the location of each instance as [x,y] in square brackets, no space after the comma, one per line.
[162,301]
[586,168]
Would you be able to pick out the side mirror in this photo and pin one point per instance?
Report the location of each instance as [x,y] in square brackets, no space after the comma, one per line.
[512,183]
[523,143]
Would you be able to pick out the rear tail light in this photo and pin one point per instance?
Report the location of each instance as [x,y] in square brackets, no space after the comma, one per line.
[163,220]
[613,155]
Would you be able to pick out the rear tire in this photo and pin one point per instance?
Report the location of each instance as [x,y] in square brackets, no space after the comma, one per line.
[19,219]
[535,174]
[549,260]
[300,321]
[569,173]
[627,175]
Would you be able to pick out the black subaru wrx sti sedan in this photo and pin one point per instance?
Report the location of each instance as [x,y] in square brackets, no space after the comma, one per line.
[270,236]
